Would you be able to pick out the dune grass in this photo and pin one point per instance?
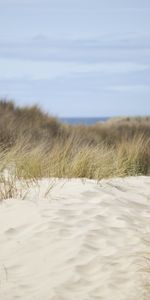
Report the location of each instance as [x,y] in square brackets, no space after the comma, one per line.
[85,161]
[34,145]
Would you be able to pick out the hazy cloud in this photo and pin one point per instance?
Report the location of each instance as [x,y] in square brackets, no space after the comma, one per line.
[104,48]
[70,55]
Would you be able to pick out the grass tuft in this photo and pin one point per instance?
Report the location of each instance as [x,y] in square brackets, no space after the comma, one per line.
[34,145]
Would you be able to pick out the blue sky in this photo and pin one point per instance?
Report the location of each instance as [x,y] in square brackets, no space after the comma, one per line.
[76,57]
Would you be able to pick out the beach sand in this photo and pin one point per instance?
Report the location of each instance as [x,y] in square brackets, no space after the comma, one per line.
[79,240]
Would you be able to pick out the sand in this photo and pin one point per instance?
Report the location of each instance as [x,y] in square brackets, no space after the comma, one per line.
[80,240]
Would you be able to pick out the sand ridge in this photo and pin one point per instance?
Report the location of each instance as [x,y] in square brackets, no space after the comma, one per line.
[82,240]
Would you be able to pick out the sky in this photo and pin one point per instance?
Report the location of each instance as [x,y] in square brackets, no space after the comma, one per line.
[76,58]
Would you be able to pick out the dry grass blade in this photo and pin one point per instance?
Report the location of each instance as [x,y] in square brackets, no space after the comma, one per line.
[34,145]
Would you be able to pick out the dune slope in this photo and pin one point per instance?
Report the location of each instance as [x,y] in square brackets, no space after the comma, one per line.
[79,240]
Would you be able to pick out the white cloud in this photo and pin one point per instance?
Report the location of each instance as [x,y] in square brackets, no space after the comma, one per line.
[129,88]
[101,49]
[47,70]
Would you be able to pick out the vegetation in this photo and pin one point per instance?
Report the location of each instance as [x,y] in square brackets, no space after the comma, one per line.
[35,145]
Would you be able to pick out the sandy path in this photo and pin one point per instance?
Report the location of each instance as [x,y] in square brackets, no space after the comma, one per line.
[84,241]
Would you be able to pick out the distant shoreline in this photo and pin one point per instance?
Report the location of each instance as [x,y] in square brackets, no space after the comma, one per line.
[83,120]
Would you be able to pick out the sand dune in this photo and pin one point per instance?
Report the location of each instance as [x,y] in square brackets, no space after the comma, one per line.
[79,240]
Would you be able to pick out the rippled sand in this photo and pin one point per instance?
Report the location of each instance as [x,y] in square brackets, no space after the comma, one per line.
[80,240]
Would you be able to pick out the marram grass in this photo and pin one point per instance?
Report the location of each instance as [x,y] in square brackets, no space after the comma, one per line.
[34,145]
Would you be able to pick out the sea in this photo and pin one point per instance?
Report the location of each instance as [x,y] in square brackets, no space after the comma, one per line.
[84,121]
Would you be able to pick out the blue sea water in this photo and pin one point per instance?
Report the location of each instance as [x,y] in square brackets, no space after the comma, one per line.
[84,121]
